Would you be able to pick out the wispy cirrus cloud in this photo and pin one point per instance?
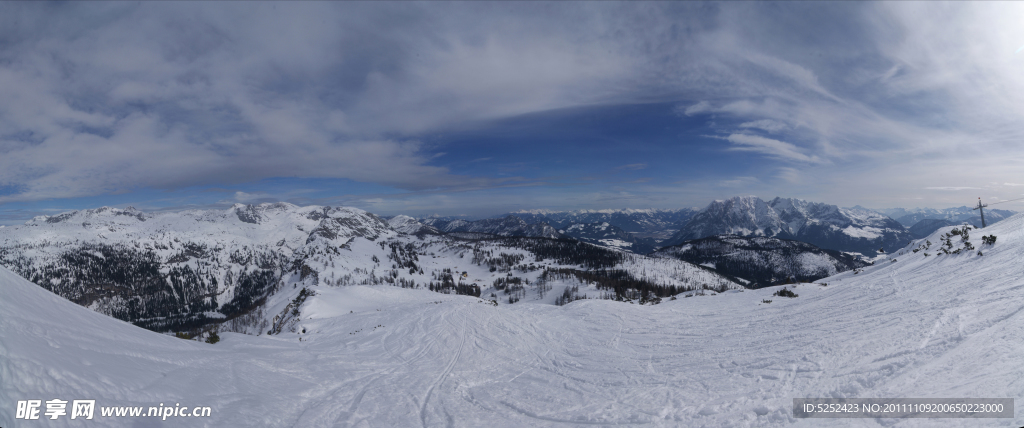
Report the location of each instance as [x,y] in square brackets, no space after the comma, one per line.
[701,107]
[772,126]
[770,147]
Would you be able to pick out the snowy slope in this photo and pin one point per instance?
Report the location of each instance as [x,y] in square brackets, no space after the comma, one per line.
[923,326]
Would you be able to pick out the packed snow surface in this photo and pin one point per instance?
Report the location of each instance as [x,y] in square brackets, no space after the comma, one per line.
[921,326]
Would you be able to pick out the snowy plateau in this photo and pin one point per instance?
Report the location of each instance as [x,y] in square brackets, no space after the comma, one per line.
[356,339]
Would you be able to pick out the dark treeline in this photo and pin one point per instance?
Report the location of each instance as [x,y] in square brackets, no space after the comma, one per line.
[502,261]
[512,286]
[621,285]
[569,295]
[403,257]
[447,285]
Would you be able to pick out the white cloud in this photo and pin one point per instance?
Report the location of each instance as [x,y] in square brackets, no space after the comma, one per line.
[701,107]
[769,125]
[790,175]
[774,148]
[246,197]
[952,188]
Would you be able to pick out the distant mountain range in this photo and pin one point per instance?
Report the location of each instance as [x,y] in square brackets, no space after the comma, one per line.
[509,225]
[636,231]
[856,229]
[646,223]
[958,215]
[826,226]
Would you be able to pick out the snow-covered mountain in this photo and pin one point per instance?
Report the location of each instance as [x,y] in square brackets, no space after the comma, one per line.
[741,215]
[762,261]
[912,216]
[192,270]
[178,270]
[915,324]
[607,235]
[823,225]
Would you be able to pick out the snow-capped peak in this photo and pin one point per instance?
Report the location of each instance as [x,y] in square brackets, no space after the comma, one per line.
[824,225]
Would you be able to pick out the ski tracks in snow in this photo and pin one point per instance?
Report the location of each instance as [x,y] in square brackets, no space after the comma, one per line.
[441,378]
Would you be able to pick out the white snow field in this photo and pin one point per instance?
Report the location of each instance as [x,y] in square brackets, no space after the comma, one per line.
[381,356]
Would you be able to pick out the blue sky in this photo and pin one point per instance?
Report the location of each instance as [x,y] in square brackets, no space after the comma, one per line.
[482,108]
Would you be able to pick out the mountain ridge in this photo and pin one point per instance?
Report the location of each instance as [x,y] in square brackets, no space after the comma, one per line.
[823,225]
